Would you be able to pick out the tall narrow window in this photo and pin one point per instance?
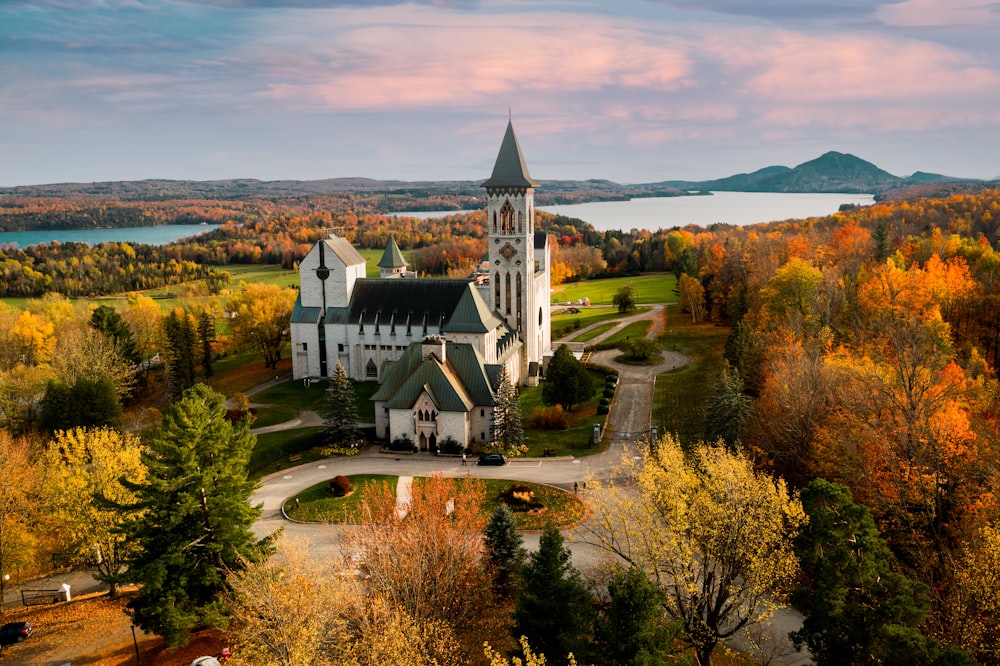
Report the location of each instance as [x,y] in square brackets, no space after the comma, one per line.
[496,291]
[506,280]
[494,221]
[371,370]
[519,290]
[520,228]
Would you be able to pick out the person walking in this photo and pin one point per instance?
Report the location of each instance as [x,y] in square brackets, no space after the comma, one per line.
[463,459]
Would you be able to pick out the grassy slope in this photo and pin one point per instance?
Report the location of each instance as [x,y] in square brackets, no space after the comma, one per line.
[575,440]
[649,288]
[680,395]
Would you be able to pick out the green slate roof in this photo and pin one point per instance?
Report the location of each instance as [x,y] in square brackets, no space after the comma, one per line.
[301,315]
[510,169]
[471,315]
[392,257]
[457,385]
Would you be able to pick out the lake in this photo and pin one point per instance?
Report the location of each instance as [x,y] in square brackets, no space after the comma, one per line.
[739,208]
[160,235]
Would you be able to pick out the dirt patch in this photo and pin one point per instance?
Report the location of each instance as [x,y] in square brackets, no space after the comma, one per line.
[95,630]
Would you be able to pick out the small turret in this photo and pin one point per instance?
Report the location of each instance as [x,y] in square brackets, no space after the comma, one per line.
[392,263]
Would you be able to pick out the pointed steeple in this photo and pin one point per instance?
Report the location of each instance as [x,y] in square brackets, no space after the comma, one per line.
[392,257]
[510,169]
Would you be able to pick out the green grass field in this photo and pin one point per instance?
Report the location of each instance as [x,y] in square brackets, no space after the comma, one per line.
[594,332]
[637,329]
[274,448]
[680,395]
[565,324]
[264,274]
[316,505]
[575,440]
[649,288]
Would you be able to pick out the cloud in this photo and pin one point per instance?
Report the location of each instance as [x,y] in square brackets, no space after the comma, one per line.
[784,10]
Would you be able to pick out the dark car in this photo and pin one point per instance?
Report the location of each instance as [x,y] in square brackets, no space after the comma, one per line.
[493,459]
[14,632]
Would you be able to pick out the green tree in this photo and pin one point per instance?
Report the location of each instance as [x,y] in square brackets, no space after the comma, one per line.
[197,517]
[508,429]
[180,336]
[505,550]
[728,409]
[87,403]
[108,320]
[857,610]
[567,381]
[341,410]
[640,348]
[554,609]
[624,299]
[633,630]
[206,336]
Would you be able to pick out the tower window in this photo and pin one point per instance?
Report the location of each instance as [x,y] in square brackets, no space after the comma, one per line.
[506,280]
[506,218]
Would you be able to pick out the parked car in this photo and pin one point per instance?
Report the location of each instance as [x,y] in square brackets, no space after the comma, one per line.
[14,632]
[493,459]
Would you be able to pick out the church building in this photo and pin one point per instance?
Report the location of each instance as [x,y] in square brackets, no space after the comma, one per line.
[436,346]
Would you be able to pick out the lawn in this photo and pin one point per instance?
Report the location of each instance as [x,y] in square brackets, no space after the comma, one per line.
[637,329]
[316,505]
[680,395]
[238,373]
[649,288]
[261,273]
[565,324]
[594,332]
[575,440]
[274,448]
[297,396]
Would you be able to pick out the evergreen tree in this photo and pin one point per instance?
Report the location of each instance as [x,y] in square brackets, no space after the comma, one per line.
[196,522]
[728,409]
[180,334]
[880,234]
[341,410]
[504,549]
[567,382]
[87,403]
[508,429]
[108,320]
[206,336]
[632,632]
[554,609]
[857,610]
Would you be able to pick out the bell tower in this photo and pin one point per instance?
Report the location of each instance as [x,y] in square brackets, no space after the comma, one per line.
[516,264]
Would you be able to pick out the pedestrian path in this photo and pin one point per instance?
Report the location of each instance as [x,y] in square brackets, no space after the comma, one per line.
[404,491]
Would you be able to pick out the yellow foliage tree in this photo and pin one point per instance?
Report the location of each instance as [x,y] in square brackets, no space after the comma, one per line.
[83,468]
[261,319]
[711,531]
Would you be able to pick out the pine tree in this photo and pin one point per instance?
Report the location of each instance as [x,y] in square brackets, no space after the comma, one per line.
[508,429]
[206,336]
[632,631]
[179,331]
[341,410]
[107,320]
[504,549]
[197,516]
[554,609]
[728,409]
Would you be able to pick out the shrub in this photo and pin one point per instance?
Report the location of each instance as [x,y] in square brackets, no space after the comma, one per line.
[609,392]
[340,486]
[549,418]
[519,498]
[402,443]
[450,445]
[604,402]
[602,409]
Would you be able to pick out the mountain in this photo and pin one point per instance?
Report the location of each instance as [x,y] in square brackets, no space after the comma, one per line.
[831,172]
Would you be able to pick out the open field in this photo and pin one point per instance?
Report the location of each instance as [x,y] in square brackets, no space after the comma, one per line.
[565,324]
[594,332]
[680,395]
[649,288]
[636,329]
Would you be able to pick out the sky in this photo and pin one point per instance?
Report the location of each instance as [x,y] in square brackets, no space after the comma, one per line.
[633,91]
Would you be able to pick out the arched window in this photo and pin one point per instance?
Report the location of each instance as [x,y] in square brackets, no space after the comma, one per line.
[506,280]
[520,228]
[496,284]
[539,316]
[494,221]
[371,370]
[506,218]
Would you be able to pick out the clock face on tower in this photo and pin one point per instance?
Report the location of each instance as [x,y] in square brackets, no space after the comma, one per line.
[507,251]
